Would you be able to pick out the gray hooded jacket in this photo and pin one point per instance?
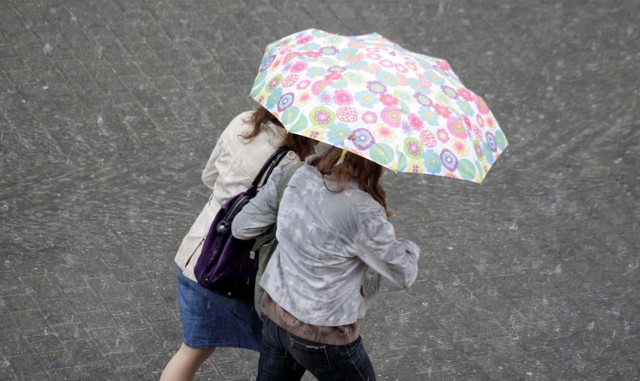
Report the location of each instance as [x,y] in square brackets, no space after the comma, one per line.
[333,247]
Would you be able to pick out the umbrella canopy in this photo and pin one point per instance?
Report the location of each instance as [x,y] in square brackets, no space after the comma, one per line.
[406,111]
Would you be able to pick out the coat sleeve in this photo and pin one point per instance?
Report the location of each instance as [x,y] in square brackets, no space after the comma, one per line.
[261,212]
[394,259]
[210,172]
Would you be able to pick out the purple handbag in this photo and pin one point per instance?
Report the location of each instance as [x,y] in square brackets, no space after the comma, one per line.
[227,266]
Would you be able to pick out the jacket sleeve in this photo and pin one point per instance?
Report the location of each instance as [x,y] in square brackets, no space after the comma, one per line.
[261,212]
[210,172]
[394,259]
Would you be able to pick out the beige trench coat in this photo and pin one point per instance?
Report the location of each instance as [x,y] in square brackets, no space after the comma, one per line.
[233,164]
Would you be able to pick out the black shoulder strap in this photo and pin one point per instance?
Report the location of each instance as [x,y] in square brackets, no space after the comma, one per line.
[284,181]
[268,167]
[270,235]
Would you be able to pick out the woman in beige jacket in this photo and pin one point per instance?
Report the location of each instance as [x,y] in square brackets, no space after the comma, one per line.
[210,320]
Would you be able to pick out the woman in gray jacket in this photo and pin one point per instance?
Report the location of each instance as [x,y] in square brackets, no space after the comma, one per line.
[335,242]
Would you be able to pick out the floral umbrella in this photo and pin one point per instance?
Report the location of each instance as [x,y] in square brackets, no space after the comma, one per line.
[406,111]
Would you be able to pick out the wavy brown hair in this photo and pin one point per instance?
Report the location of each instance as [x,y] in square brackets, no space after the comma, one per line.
[353,167]
[301,145]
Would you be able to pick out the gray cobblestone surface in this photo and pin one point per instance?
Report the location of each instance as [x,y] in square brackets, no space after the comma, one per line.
[109,109]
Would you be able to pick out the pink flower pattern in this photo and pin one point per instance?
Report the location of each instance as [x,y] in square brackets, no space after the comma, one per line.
[388,95]
[369,117]
[343,97]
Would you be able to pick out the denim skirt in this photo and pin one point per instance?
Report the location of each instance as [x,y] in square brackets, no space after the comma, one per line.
[212,320]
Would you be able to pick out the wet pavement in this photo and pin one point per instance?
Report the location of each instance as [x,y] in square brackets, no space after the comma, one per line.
[109,110]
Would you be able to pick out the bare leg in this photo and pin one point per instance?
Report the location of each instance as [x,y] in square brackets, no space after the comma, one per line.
[185,363]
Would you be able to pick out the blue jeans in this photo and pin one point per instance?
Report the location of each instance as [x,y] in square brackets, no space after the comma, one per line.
[285,357]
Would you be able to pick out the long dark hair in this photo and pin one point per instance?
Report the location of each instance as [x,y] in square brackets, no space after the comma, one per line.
[353,167]
[299,144]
